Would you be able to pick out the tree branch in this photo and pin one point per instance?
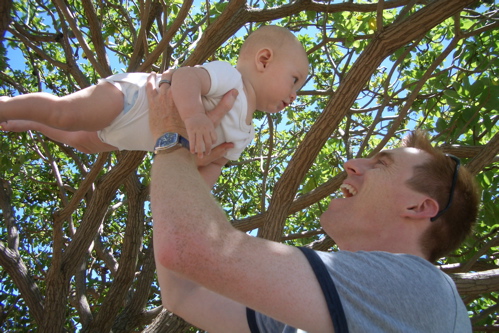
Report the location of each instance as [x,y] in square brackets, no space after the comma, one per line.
[69,18]
[168,36]
[95,29]
[129,256]
[15,267]
[472,284]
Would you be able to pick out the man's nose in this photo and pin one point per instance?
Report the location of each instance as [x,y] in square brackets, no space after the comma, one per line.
[355,166]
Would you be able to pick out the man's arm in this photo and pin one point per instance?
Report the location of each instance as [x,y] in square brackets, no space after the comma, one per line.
[196,246]
[199,306]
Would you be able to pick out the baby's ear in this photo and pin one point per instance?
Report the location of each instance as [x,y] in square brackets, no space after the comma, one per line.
[263,58]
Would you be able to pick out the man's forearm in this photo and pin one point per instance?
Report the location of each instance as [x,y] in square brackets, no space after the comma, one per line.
[183,210]
[190,229]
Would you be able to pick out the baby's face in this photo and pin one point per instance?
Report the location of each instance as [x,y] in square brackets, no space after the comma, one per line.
[284,77]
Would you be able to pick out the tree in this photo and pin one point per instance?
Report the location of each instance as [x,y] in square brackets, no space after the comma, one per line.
[76,250]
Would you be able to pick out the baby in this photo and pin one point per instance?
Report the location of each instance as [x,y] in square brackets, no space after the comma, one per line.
[272,66]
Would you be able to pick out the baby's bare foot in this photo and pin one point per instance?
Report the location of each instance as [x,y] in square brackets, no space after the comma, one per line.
[2,99]
[18,125]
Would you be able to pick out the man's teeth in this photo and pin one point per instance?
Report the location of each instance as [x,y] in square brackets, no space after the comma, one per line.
[348,190]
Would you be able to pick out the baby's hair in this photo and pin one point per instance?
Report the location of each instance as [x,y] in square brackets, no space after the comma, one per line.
[271,36]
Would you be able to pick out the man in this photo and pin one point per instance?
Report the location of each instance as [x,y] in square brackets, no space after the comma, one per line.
[382,280]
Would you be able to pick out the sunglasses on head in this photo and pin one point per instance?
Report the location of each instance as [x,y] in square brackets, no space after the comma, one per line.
[452,188]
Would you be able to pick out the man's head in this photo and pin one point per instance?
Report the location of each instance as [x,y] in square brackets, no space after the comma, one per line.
[437,177]
[275,64]
[391,198]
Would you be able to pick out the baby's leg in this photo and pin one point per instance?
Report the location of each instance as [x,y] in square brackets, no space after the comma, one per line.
[86,142]
[20,126]
[89,109]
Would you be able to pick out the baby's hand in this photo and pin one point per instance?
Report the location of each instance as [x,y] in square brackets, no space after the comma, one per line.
[201,133]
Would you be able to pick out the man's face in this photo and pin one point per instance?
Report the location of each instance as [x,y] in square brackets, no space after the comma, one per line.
[375,192]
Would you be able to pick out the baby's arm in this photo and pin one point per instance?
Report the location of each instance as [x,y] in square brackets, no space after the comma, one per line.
[188,85]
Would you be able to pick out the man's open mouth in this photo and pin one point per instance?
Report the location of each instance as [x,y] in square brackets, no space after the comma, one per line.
[348,190]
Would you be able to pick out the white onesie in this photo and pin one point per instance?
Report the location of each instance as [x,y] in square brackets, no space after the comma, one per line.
[130,130]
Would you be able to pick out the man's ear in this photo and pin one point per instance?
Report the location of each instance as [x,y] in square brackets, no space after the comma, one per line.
[263,58]
[425,208]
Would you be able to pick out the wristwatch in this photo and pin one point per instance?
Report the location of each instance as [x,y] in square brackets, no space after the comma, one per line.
[169,142]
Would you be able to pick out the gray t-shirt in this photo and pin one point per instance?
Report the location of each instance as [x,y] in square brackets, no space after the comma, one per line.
[386,292]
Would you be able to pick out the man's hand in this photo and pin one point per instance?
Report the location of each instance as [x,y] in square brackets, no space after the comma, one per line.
[163,115]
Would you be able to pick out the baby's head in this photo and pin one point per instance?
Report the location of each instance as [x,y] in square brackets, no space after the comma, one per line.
[275,64]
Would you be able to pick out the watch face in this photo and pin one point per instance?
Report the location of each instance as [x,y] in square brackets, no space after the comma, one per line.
[170,140]
[166,141]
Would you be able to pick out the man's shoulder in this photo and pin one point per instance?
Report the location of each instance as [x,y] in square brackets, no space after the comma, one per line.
[381,289]
[374,257]
[376,268]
